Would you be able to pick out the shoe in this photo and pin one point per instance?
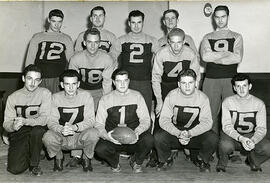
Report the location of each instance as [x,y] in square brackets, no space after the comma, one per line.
[137,168]
[236,159]
[253,167]
[152,163]
[86,164]
[74,162]
[204,167]
[36,170]
[58,165]
[164,166]
[117,169]
[220,169]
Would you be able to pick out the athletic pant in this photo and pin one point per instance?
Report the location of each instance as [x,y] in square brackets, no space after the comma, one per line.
[85,140]
[227,145]
[205,143]
[217,90]
[24,148]
[110,152]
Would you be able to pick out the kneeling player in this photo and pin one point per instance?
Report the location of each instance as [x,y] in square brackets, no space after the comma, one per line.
[26,115]
[120,107]
[71,122]
[186,122]
[244,126]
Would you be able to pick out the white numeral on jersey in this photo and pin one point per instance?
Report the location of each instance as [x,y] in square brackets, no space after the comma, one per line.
[74,112]
[53,53]
[174,72]
[195,112]
[136,53]
[122,111]
[221,42]
[94,76]
[243,123]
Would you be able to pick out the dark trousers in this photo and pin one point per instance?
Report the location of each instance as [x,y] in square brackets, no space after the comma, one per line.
[205,143]
[110,152]
[227,145]
[24,148]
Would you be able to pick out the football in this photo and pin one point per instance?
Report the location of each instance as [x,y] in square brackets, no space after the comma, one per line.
[124,135]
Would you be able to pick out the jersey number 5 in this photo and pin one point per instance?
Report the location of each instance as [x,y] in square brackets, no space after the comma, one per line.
[243,126]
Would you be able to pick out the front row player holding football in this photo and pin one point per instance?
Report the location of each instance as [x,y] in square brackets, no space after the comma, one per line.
[244,126]
[123,107]
[186,122]
[71,121]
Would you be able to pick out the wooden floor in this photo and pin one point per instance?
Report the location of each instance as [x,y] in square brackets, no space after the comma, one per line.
[181,171]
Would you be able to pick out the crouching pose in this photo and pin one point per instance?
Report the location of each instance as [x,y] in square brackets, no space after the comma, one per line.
[244,126]
[123,107]
[186,122]
[26,116]
[71,121]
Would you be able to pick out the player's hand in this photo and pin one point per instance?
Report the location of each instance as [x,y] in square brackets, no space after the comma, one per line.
[137,138]
[68,130]
[184,137]
[158,107]
[110,138]
[18,123]
[247,143]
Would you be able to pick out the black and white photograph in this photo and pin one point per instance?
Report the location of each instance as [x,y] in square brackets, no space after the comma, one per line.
[135,91]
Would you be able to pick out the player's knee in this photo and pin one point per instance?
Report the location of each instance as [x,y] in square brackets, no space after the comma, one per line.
[225,146]
[159,137]
[50,138]
[148,140]
[37,132]
[90,134]
[264,149]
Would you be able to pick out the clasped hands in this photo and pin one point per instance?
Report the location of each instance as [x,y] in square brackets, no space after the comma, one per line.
[184,137]
[18,123]
[247,143]
[69,129]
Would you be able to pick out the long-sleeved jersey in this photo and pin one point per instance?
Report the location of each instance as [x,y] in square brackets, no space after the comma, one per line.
[107,39]
[167,65]
[33,106]
[134,53]
[222,50]
[188,42]
[116,109]
[244,115]
[72,110]
[51,51]
[181,112]
[95,70]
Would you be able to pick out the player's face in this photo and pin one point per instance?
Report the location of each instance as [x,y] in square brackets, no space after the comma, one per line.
[32,80]
[121,83]
[70,85]
[55,23]
[187,85]
[136,24]
[92,43]
[176,43]
[98,18]
[242,88]
[221,19]
[170,20]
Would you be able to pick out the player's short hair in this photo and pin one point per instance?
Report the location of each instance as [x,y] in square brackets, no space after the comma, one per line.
[69,73]
[32,67]
[176,32]
[240,77]
[92,31]
[186,72]
[119,72]
[136,13]
[222,7]
[170,11]
[97,8]
[57,13]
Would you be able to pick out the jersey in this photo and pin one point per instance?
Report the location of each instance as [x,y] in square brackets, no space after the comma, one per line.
[244,115]
[107,39]
[134,53]
[222,50]
[72,110]
[95,70]
[33,106]
[167,65]
[181,112]
[51,51]
[188,42]
[116,109]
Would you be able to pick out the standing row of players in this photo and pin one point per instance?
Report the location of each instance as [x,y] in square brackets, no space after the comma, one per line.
[136,53]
